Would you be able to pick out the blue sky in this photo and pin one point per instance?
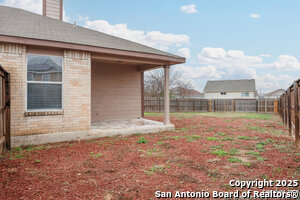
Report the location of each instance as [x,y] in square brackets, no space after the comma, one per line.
[221,39]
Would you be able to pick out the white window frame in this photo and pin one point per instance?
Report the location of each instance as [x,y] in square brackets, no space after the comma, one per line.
[48,82]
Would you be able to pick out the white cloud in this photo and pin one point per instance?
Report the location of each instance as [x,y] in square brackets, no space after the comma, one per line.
[218,63]
[268,82]
[189,9]
[35,6]
[30,5]
[205,72]
[223,58]
[286,62]
[154,39]
[185,52]
[255,15]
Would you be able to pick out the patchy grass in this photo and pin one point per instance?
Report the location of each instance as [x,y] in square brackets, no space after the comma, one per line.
[207,150]
[247,138]
[234,160]
[142,140]
[212,139]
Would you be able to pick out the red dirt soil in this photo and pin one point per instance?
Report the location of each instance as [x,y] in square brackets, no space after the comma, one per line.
[122,168]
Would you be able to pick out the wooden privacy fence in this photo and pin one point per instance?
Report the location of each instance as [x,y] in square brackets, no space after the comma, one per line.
[153,104]
[289,109]
[4,110]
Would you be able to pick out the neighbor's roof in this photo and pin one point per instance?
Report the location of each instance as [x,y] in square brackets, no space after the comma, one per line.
[277,92]
[244,85]
[20,23]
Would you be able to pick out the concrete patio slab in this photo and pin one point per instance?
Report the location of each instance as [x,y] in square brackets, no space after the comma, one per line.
[100,129]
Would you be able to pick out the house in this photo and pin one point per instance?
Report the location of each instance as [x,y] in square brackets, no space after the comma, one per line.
[274,94]
[69,83]
[230,89]
[180,92]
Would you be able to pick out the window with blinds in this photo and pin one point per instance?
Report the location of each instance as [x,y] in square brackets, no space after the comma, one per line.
[44,82]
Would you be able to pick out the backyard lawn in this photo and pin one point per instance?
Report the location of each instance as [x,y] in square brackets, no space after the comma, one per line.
[206,151]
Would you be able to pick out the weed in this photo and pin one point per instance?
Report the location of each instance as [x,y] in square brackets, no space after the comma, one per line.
[261,159]
[155,168]
[223,134]
[297,154]
[137,134]
[269,140]
[262,143]
[227,139]
[220,152]
[264,177]
[191,138]
[193,127]
[247,164]
[247,138]
[161,142]
[142,140]
[181,129]
[254,153]
[171,137]
[212,139]
[213,173]
[16,149]
[210,129]
[233,151]
[259,146]
[151,151]
[256,128]
[216,147]
[37,161]
[234,160]
[95,155]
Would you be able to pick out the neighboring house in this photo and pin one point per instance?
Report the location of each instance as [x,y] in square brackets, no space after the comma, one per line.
[67,79]
[180,92]
[230,89]
[274,95]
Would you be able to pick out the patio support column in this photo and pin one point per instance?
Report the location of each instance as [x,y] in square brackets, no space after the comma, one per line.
[167,94]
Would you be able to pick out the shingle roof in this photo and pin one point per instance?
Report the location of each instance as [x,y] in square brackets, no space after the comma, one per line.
[20,23]
[277,92]
[244,85]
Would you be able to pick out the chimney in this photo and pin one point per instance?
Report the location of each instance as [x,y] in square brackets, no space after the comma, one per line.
[53,9]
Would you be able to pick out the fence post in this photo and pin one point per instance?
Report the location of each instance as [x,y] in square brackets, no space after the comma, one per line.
[210,105]
[296,117]
[178,105]
[266,106]
[194,108]
[159,104]
[275,106]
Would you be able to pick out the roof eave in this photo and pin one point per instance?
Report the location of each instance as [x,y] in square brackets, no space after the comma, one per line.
[168,60]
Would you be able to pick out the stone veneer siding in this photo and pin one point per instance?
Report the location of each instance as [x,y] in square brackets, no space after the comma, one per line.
[76,115]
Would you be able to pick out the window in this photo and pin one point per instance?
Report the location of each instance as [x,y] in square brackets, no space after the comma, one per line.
[44,82]
[245,94]
[223,93]
[46,77]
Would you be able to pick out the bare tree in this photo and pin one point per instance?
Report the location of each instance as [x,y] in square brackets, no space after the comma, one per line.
[184,89]
[154,82]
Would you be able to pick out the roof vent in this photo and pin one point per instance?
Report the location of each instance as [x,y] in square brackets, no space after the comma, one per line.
[53,9]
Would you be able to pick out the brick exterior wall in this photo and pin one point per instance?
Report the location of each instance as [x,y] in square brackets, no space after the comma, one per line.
[76,115]
[116,91]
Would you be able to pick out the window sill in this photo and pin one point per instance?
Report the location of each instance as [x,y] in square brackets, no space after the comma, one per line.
[43,113]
